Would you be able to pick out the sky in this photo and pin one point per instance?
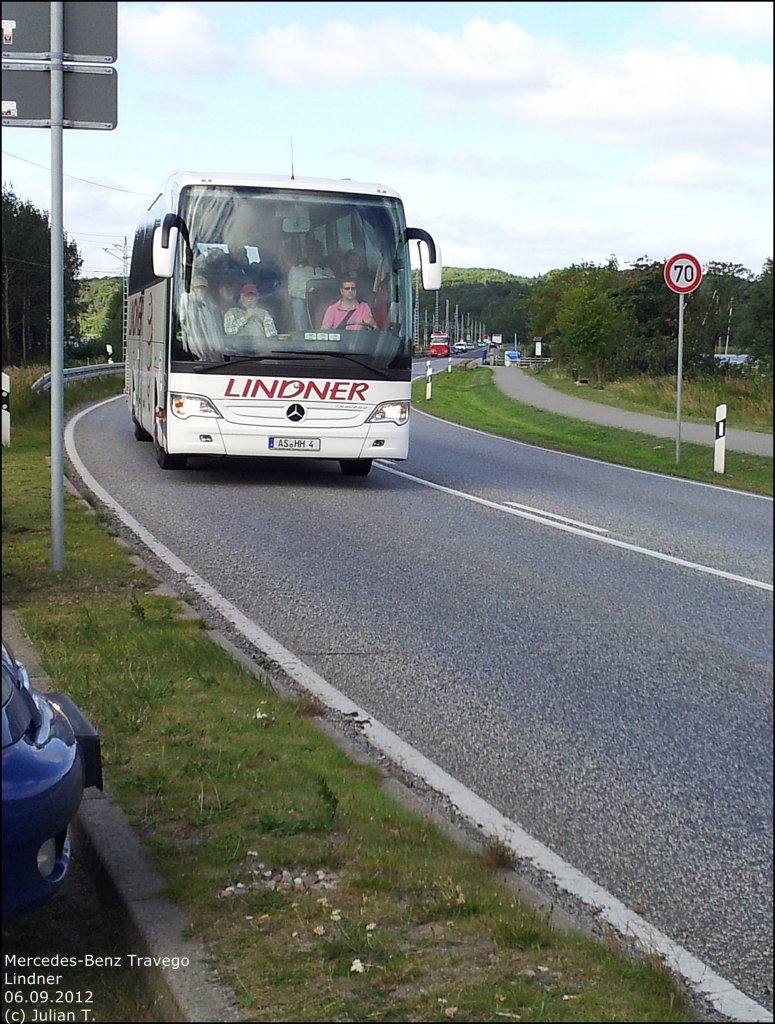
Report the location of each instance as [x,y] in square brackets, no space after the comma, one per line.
[525,137]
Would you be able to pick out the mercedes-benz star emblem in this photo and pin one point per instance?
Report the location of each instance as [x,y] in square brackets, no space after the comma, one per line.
[295,412]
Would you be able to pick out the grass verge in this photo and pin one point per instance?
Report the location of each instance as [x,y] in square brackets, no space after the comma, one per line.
[318,895]
[473,399]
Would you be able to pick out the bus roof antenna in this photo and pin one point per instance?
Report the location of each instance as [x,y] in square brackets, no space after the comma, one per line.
[293,176]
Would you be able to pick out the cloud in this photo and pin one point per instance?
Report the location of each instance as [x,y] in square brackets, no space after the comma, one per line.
[175,38]
[729,21]
[688,170]
[338,52]
[644,97]
[675,95]
[647,97]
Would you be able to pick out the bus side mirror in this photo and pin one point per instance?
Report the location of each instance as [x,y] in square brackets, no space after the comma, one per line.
[165,246]
[430,258]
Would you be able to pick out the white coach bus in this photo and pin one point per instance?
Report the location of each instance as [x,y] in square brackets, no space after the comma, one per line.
[235,283]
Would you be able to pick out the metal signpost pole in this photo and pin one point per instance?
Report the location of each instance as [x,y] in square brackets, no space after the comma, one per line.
[679,378]
[52,52]
[57,290]
[683,274]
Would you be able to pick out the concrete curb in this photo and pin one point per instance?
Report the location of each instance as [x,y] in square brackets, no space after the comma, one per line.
[154,926]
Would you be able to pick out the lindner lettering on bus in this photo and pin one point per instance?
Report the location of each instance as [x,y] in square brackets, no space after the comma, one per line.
[330,390]
[231,278]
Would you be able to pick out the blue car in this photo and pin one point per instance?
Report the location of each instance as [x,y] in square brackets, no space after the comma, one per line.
[51,753]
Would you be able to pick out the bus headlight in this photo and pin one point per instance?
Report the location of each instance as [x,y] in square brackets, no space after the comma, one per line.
[391,412]
[184,406]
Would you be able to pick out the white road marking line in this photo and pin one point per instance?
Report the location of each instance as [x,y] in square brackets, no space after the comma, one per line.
[567,528]
[552,515]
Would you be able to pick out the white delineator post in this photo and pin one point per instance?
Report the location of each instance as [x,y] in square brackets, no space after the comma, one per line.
[720,446]
[428,376]
[6,410]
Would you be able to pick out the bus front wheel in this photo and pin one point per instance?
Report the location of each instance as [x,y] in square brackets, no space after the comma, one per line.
[141,434]
[355,467]
[167,461]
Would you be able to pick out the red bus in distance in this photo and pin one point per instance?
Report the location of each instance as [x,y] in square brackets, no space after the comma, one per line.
[439,343]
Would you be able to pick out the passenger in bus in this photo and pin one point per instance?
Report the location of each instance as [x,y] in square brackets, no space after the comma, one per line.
[249,320]
[353,263]
[200,319]
[347,313]
[298,277]
[225,295]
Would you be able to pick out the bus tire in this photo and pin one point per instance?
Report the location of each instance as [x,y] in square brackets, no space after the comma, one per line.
[167,461]
[355,467]
[140,433]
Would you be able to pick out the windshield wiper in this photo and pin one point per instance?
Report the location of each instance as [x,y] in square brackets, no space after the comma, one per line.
[232,360]
[335,355]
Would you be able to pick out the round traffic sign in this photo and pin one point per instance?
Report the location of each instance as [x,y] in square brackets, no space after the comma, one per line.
[683,273]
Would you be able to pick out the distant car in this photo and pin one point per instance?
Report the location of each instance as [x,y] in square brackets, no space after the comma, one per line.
[460,346]
[51,753]
[732,358]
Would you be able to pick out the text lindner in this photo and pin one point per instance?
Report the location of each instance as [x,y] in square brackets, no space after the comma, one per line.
[283,388]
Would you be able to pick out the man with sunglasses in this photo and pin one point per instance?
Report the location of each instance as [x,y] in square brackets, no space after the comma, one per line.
[347,313]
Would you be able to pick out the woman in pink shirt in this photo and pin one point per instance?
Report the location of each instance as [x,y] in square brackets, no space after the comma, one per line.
[347,313]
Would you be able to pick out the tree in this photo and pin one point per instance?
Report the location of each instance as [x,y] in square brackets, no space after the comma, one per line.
[650,345]
[26,282]
[562,300]
[591,323]
[112,332]
[753,333]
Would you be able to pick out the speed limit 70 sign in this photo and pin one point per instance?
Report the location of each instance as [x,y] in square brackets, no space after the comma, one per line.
[683,273]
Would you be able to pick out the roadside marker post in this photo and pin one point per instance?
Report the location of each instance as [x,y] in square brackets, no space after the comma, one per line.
[428,381]
[6,410]
[720,445]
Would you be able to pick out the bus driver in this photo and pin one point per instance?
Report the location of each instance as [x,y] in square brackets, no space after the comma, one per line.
[347,313]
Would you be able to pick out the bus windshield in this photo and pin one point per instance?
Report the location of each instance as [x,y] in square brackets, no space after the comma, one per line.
[290,276]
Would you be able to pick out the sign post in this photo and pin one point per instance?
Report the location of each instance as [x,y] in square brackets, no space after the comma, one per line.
[683,274]
[57,37]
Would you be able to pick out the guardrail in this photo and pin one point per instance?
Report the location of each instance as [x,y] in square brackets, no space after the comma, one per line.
[78,373]
[531,362]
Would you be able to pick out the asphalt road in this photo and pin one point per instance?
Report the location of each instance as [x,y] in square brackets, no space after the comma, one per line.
[585,648]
